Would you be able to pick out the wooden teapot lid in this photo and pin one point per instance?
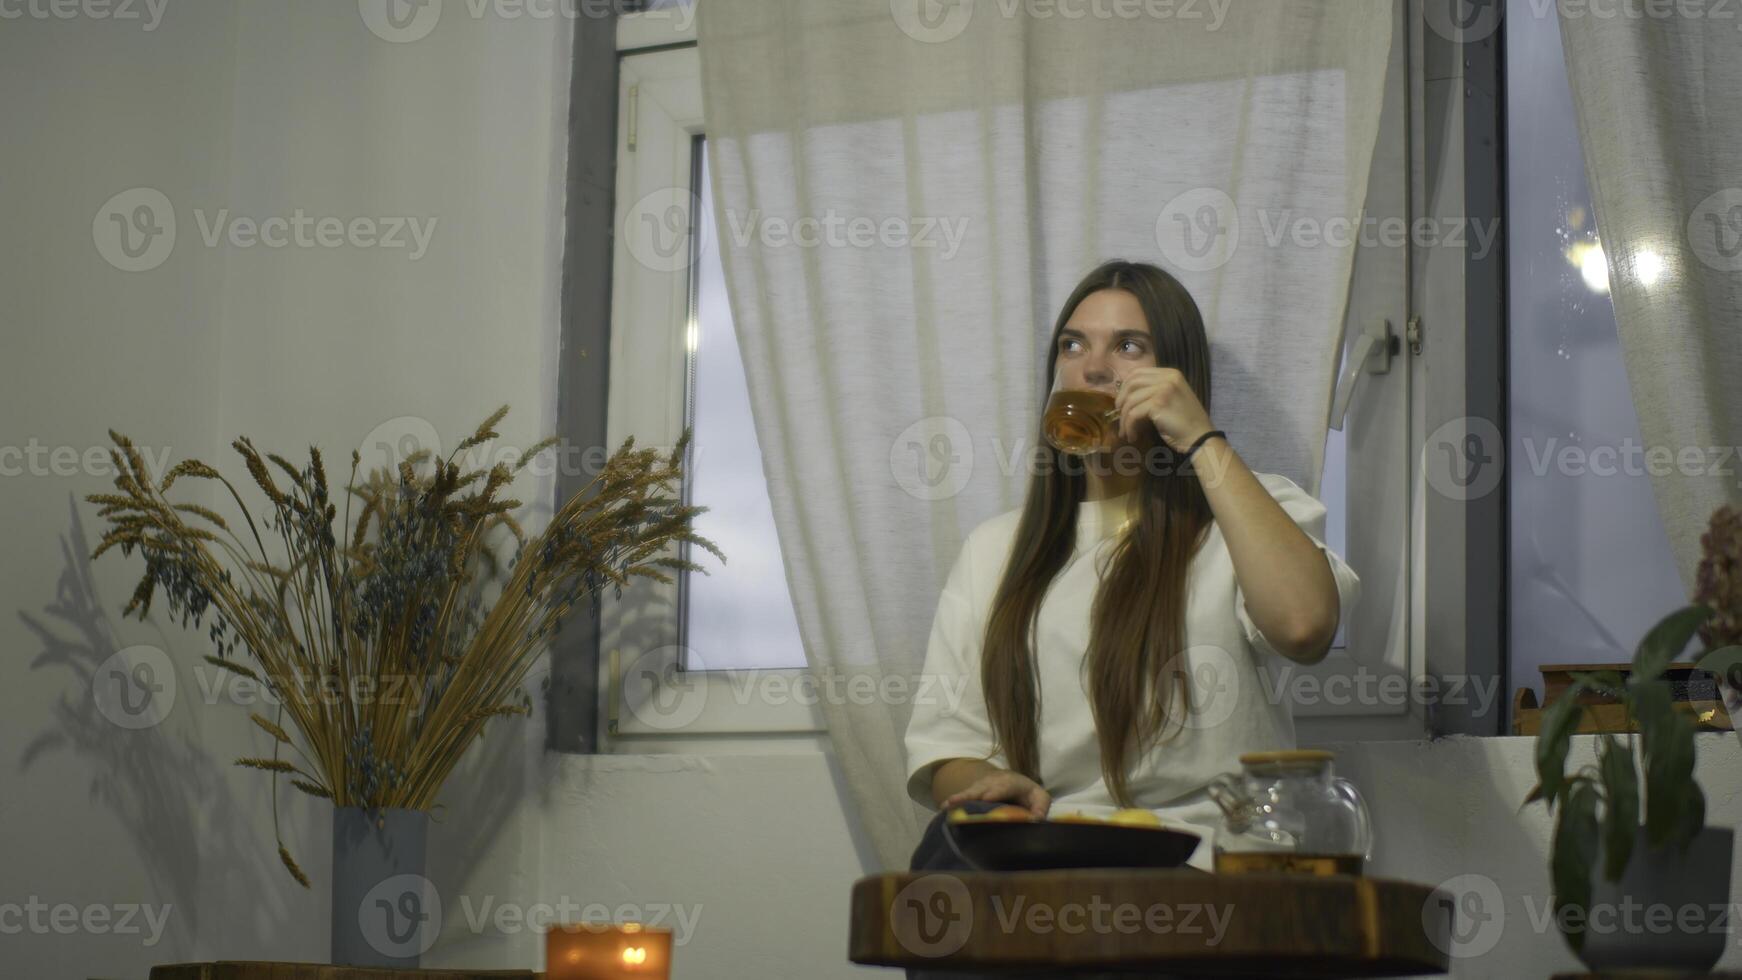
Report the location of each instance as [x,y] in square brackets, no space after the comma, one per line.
[1286,755]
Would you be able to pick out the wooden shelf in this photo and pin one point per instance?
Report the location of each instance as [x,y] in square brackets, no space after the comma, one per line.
[1709,716]
[257,970]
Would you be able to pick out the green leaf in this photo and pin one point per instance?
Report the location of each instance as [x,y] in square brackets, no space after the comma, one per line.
[1621,812]
[1652,706]
[1693,816]
[1573,853]
[1666,640]
[1559,721]
[1669,782]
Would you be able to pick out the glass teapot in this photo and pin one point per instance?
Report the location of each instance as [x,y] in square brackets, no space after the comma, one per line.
[1286,811]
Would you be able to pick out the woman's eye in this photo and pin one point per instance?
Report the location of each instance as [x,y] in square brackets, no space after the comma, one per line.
[1126,346]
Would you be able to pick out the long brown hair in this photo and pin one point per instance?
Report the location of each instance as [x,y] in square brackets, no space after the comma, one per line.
[1138,615]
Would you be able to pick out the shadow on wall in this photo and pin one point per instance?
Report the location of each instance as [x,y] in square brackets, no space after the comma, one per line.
[171,795]
[475,869]
[133,721]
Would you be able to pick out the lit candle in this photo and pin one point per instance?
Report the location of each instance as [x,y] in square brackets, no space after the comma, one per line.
[607,951]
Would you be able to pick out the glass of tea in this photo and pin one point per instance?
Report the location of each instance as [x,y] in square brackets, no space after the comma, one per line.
[1080,421]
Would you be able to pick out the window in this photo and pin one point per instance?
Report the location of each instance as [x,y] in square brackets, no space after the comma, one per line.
[745,609]
[1367,483]
[1590,564]
[674,362]
[716,653]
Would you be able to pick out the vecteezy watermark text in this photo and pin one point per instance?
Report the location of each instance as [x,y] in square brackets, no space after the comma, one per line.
[405,21]
[937,21]
[40,918]
[136,230]
[489,915]
[933,915]
[148,13]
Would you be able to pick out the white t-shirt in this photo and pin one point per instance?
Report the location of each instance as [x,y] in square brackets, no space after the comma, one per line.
[1237,676]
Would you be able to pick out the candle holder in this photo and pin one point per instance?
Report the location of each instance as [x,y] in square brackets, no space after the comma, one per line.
[607,951]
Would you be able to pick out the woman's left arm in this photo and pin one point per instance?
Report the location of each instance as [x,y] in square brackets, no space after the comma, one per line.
[1290,590]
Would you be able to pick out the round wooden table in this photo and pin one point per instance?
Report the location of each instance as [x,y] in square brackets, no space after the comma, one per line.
[1172,920]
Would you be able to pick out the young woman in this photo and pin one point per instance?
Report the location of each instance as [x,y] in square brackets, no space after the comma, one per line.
[1126,634]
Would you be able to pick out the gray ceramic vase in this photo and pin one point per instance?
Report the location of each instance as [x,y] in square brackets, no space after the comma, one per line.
[385,912]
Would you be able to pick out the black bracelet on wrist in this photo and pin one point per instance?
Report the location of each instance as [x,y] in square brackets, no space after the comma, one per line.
[1201,440]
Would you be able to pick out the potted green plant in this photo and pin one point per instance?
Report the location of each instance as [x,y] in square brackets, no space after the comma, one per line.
[1630,835]
[374,640]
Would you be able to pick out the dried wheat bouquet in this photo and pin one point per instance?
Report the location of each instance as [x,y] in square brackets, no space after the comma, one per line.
[375,639]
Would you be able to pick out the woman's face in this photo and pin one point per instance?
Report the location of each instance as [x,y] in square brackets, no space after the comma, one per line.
[1105,339]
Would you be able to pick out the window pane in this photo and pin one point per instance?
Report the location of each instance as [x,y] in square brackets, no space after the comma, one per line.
[1591,568]
[740,615]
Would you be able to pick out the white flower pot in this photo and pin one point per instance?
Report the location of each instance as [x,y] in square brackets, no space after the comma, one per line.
[1669,910]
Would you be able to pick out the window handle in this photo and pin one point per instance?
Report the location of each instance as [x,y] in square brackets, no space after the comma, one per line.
[1373,351]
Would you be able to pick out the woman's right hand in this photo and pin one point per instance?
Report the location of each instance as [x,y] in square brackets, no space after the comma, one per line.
[1004,786]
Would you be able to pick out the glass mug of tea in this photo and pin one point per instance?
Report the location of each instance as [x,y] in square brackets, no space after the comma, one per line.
[1081,421]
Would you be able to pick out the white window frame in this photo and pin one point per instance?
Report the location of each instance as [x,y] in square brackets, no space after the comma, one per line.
[660,105]
[1381,431]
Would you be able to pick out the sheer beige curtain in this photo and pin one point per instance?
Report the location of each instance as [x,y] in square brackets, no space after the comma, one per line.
[1659,104]
[905,193]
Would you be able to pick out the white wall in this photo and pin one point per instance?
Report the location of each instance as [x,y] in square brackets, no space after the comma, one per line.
[253,109]
[91,814]
[262,108]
